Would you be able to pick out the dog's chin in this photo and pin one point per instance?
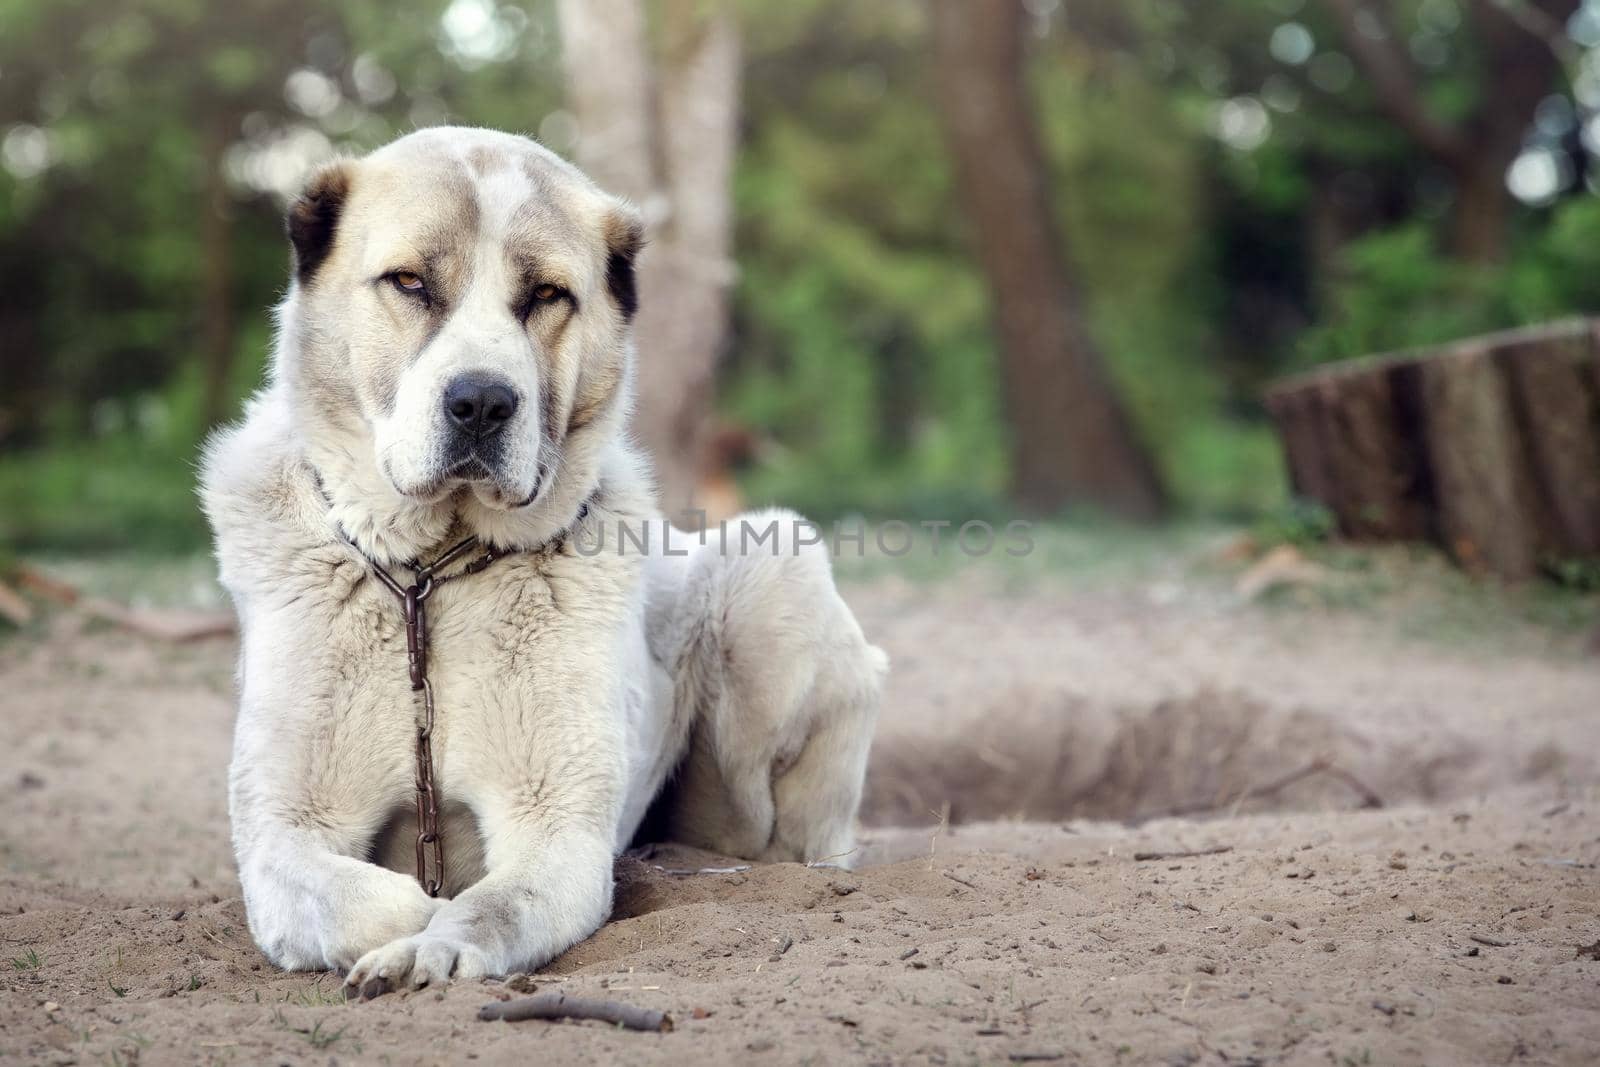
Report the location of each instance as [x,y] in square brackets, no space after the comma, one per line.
[498,495]
[492,488]
[428,491]
[438,486]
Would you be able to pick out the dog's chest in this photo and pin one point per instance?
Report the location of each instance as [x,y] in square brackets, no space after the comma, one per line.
[507,653]
[456,636]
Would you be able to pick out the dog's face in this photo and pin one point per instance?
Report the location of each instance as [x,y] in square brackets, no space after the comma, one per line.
[463,298]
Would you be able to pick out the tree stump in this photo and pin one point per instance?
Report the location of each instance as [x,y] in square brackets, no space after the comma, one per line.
[1489,447]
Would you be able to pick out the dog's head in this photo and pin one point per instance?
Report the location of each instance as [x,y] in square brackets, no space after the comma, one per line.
[461,301]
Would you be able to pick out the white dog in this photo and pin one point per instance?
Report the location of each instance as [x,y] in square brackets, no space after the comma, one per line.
[454,361]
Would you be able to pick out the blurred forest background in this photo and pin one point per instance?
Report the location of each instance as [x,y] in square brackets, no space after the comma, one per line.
[918,257]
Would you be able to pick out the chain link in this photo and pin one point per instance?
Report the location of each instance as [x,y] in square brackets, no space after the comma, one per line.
[413,605]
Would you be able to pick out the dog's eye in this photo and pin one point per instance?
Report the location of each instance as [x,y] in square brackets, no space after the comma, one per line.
[407,282]
[546,293]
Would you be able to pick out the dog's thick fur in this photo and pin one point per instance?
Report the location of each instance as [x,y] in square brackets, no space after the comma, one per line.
[571,686]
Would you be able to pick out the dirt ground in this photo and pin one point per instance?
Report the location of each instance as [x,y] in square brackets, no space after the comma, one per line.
[1035,741]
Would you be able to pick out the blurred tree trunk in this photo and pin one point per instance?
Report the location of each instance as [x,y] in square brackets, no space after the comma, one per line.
[216,280]
[607,65]
[1072,440]
[663,134]
[684,298]
[1521,43]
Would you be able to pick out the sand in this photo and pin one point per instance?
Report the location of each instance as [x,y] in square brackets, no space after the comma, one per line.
[1001,912]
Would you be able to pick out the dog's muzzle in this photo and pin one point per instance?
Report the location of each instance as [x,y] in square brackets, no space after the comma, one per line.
[477,407]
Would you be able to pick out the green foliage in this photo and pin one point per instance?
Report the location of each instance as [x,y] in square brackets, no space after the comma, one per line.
[111,493]
[1225,467]
[1578,575]
[1297,522]
[862,343]
[863,350]
[1395,289]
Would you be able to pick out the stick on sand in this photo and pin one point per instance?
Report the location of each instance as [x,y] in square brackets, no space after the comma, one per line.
[553,1006]
[1215,850]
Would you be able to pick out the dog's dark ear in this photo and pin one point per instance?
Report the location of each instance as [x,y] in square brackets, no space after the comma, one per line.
[624,238]
[313,218]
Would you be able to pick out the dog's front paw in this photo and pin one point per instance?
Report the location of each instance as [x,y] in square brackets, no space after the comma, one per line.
[411,963]
[386,913]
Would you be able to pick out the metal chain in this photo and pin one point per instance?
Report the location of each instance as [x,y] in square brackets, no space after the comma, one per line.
[413,600]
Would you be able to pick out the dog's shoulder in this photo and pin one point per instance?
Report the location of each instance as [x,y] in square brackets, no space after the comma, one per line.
[258,492]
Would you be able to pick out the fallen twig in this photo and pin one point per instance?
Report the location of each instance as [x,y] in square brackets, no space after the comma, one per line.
[13,608]
[1284,565]
[42,585]
[553,1006]
[827,861]
[944,823]
[1492,942]
[1320,765]
[178,626]
[686,872]
[1183,854]
[1369,798]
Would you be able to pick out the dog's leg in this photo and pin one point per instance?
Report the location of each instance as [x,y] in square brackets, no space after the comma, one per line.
[816,794]
[302,825]
[547,800]
[785,692]
[544,893]
[311,908]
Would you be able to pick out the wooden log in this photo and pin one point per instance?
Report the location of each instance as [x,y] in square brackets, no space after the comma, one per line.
[1490,447]
[1373,459]
[1294,412]
[1349,442]
[1554,386]
[1475,459]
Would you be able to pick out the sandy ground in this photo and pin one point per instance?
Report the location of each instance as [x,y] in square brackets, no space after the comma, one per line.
[1033,745]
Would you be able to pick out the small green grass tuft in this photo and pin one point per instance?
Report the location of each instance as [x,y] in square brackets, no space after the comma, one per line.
[1298,522]
[320,1038]
[28,962]
[315,995]
[1576,575]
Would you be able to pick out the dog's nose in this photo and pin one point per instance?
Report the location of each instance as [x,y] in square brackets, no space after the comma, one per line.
[479,406]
